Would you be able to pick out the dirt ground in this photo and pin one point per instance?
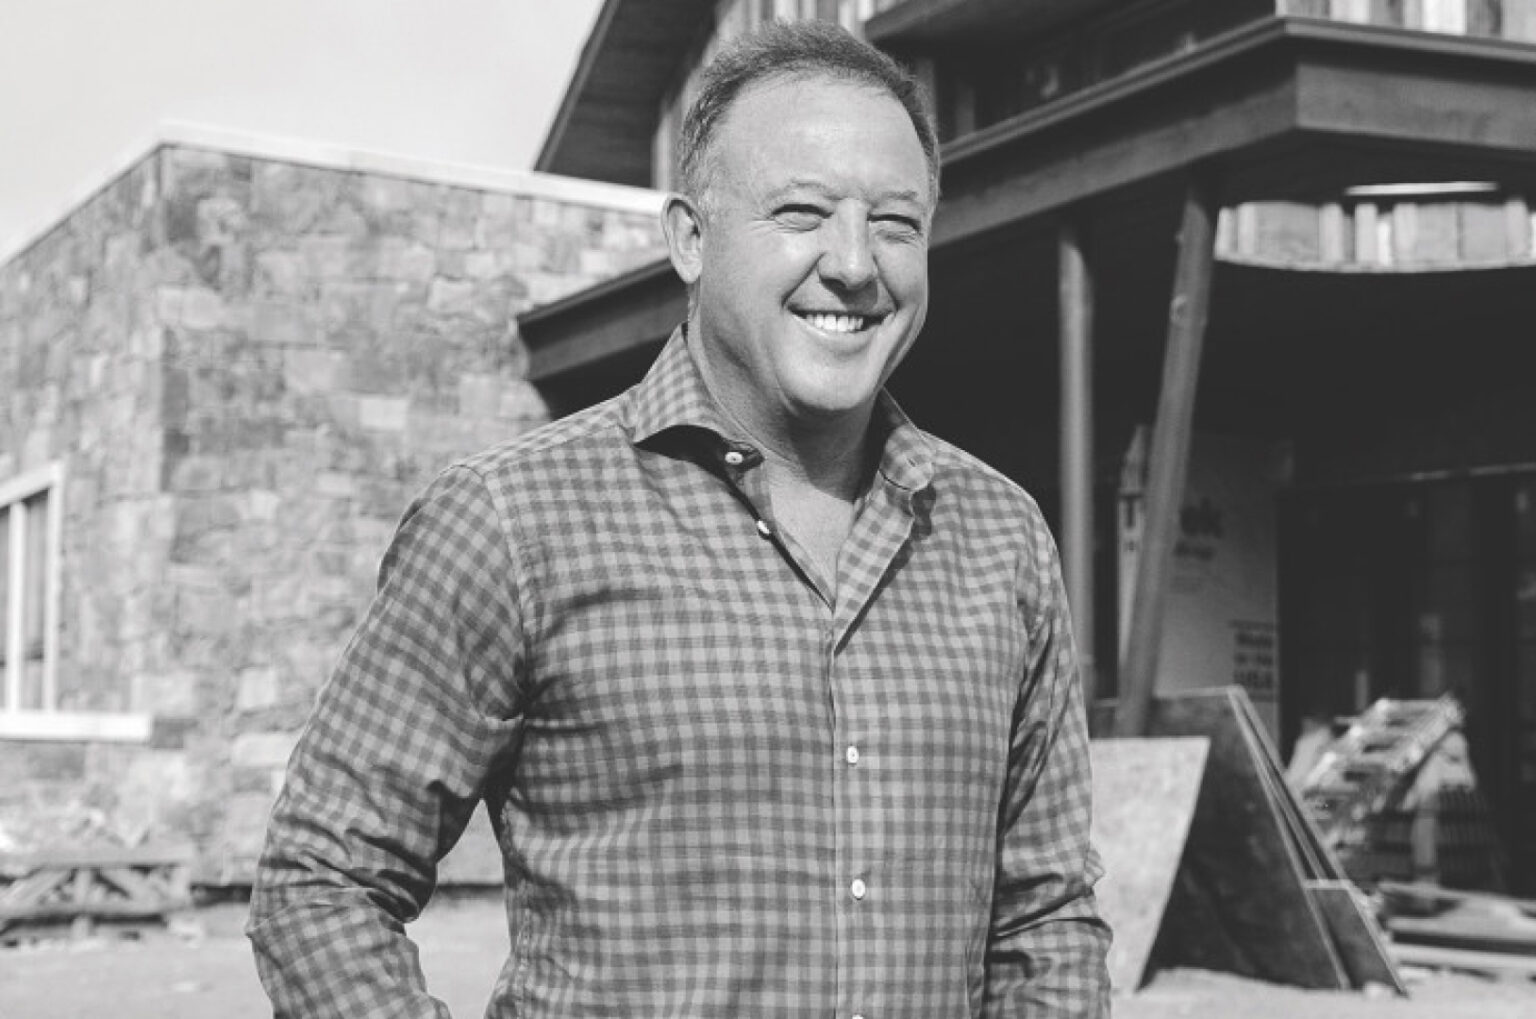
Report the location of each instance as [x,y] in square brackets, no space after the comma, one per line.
[203,969]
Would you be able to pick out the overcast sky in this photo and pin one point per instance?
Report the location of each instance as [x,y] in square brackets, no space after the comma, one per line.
[461,81]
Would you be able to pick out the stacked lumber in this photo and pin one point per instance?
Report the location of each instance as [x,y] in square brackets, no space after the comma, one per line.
[79,889]
[1477,931]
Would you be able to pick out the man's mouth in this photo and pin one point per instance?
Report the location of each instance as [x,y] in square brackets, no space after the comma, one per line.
[830,322]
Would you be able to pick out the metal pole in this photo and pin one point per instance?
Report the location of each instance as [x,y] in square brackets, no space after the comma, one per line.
[1169,460]
[1075,303]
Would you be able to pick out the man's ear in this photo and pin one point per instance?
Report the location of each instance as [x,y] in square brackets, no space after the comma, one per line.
[683,223]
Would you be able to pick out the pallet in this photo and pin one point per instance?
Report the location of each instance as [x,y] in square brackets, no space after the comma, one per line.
[81,888]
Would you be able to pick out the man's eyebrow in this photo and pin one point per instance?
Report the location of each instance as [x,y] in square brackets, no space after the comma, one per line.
[792,187]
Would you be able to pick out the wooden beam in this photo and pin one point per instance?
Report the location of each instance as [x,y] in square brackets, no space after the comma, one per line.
[1169,459]
[1075,309]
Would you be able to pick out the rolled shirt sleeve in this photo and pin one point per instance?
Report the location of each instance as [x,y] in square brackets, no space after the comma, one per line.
[1048,946]
[422,708]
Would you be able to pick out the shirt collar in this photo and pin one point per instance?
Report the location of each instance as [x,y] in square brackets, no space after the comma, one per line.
[673,395]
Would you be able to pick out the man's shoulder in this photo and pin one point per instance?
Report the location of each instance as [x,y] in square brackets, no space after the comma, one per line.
[971,478]
[551,449]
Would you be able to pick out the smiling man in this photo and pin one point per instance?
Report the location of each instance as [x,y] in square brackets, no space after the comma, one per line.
[771,696]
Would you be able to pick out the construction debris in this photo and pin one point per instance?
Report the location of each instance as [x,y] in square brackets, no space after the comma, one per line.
[1395,798]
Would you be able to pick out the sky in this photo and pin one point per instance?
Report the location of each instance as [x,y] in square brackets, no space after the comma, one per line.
[82,82]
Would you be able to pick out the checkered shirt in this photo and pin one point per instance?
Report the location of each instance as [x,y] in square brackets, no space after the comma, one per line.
[721,785]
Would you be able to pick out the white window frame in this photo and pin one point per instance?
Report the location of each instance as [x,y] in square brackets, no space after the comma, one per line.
[44,722]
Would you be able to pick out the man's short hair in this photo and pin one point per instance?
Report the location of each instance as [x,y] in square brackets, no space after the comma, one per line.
[794,50]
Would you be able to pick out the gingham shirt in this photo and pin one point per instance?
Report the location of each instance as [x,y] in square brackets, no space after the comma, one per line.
[721,786]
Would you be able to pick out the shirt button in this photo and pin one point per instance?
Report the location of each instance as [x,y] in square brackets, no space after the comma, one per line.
[859,889]
[735,458]
[764,529]
[851,755]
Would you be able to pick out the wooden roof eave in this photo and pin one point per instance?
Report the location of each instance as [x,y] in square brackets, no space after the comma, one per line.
[603,126]
[640,307]
[1304,104]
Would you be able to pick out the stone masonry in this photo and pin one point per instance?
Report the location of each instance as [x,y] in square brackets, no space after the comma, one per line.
[248,366]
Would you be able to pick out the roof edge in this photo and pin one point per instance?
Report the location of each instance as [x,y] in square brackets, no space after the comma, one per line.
[578,83]
[323,155]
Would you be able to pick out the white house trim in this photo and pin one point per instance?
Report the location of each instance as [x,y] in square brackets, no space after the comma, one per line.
[529,183]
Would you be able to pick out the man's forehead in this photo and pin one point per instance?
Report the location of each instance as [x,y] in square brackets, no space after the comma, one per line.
[812,81]
[741,125]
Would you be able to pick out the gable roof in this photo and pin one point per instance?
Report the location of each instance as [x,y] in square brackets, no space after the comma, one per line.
[603,127]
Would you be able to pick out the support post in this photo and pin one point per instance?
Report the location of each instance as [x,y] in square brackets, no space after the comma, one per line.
[1168,463]
[1075,304]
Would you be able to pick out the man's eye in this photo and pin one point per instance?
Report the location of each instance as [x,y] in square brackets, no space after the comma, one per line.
[800,217]
[898,226]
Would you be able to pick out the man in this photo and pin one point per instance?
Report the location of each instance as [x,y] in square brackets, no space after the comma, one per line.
[771,696]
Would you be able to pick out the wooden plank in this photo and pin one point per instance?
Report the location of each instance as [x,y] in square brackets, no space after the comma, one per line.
[133,884]
[1144,794]
[1169,457]
[1361,944]
[1239,902]
[33,888]
[106,910]
[1497,963]
[1430,897]
[146,856]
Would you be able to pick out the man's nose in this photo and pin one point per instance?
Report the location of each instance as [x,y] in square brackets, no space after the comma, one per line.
[846,258]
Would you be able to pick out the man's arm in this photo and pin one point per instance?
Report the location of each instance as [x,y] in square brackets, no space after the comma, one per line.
[1047,952]
[388,771]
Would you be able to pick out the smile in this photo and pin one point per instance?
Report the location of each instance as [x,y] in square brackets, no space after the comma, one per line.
[828,322]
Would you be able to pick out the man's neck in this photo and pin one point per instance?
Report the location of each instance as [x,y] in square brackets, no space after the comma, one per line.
[829,454]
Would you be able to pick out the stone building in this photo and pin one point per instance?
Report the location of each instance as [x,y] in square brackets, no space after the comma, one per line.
[222,376]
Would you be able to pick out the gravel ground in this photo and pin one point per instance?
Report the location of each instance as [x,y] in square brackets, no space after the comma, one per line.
[203,969]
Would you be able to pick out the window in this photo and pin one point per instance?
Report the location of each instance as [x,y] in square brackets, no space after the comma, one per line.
[31,537]
[29,541]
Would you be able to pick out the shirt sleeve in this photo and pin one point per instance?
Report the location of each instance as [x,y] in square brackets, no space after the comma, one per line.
[1046,957]
[421,708]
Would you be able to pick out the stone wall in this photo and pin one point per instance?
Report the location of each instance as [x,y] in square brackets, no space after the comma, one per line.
[250,366]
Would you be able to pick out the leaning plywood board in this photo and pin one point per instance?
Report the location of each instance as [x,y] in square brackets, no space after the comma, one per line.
[1361,944]
[1144,793]
[1239,902]
[1318,859]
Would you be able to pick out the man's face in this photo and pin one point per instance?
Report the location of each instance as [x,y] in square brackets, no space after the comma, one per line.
[812,271]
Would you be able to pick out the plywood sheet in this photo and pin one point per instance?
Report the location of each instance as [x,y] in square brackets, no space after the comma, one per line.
[1361,945]
[1144,793]
[1239,901]
[1318,861]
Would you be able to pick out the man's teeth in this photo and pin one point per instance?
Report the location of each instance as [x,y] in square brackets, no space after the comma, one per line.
[838,323]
